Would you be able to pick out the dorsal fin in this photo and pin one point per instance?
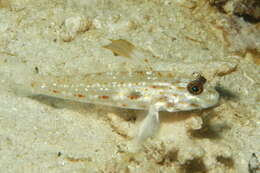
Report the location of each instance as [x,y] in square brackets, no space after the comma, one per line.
[138,56]
[121,48]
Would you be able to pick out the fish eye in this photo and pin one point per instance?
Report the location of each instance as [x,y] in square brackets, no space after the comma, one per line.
[195,87]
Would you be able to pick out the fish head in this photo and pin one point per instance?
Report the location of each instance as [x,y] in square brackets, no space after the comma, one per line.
[188,95]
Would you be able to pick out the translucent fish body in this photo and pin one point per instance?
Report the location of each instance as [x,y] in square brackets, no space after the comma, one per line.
[132,90]
[148,90]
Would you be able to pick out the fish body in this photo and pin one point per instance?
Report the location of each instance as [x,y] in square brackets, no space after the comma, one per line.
[131,90]
[144,90]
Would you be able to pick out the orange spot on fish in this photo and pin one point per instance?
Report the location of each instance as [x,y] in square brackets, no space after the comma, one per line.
[134,95]
[55,91]
[79,95]
[159,87]
[103,97]
[181,88]
[154,86]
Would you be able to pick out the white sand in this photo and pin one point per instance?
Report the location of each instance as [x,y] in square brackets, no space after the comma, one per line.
[43,134]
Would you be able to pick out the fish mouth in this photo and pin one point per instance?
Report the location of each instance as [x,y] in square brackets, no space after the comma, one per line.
[212,101]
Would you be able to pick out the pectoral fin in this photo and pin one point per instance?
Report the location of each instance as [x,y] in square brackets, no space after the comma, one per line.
[150,124]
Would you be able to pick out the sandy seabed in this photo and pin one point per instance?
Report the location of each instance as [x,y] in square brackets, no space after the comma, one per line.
[45,134]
